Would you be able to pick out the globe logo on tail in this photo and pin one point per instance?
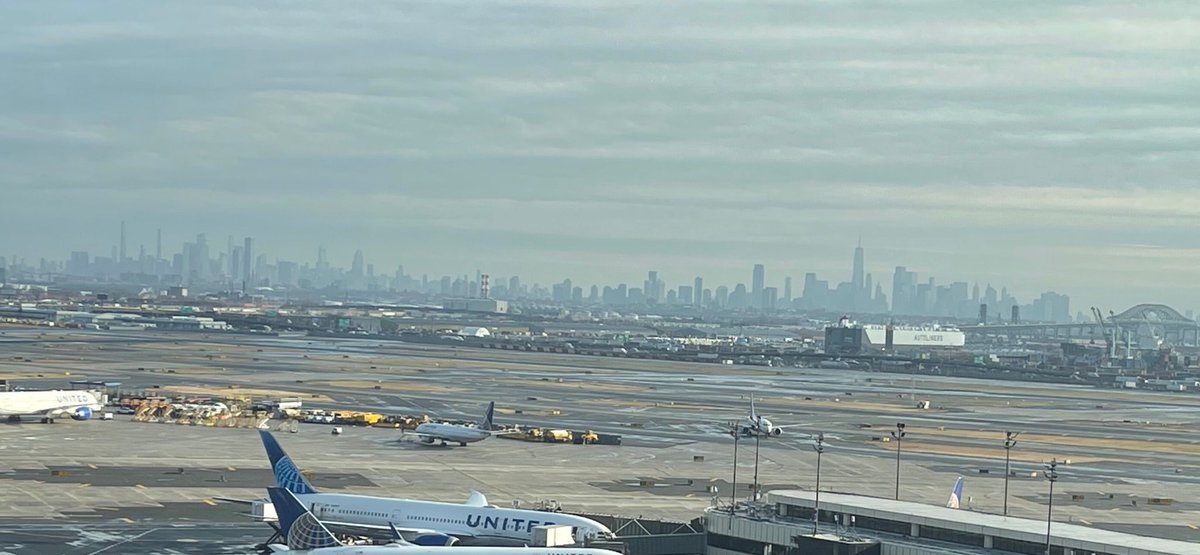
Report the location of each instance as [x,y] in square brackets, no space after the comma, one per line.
[289,477]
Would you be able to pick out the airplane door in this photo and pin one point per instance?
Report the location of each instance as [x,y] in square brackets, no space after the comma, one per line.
[397,518]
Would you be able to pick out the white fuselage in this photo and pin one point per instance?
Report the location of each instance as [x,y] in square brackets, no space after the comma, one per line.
[484,523]
[431,432]
[24,403]
[418,550]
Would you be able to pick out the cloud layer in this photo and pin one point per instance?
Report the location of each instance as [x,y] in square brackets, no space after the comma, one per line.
[1041,146]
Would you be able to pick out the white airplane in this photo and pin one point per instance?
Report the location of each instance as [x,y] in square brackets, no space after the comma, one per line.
[305,535]
[424,522]
[431,432]
[79,405]
[759,425]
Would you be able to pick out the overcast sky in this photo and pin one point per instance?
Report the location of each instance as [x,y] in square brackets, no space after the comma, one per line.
[1050,146]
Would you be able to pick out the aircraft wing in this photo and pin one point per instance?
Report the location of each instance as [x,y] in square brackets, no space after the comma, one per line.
[373,529]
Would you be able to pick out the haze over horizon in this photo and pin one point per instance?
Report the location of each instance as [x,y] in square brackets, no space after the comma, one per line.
[1042,147]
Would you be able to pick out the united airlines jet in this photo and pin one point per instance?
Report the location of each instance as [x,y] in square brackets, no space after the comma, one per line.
[79,405]
[425,522]
[431,432]
[305,535]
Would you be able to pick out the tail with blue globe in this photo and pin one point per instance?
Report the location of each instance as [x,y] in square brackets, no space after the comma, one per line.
[297,526]
[287,476]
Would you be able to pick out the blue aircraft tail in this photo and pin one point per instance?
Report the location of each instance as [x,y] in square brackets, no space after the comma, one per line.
[299,527]
[287,476]
[956,494]
[488,416]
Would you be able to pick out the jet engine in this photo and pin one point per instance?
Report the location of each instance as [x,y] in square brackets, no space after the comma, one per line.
[433,539]
[82,413]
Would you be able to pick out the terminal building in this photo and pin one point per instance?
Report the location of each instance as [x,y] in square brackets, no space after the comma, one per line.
[858,525]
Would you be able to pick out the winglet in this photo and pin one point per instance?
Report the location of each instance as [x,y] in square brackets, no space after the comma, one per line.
[287,476]
[476,499]
[487,416]
[955,501]
[299,527]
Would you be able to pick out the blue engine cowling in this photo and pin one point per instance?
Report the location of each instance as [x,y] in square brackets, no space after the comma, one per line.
[434,539]
[82,413]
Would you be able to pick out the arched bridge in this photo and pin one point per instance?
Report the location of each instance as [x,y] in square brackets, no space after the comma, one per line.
[1148,323]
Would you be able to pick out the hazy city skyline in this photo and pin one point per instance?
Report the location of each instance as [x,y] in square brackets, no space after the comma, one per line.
[979,143]
[242,263]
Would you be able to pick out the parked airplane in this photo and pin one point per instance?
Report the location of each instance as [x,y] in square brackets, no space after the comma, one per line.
[424,522]
[49,405]
[956,494]
[306,535]
[431,432]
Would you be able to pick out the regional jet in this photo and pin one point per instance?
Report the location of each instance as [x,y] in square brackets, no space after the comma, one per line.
[305,535]
[432,431]
[79,405]
[424,522]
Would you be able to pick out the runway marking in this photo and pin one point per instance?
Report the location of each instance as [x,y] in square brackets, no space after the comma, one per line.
[210,502]
[103,549]
[1193,527]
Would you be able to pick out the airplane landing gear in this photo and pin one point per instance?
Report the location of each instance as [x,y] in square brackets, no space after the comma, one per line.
[462,444]
[48,420]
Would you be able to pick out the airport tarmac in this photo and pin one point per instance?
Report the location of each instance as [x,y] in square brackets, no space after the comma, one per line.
[1124,446]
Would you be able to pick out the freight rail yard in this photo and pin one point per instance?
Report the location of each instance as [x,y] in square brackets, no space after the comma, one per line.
[157,482]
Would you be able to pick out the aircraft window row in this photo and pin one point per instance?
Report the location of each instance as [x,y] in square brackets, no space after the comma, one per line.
[443,520]
[365,513]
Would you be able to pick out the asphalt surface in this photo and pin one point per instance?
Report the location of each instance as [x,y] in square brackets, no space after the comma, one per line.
[1130,445]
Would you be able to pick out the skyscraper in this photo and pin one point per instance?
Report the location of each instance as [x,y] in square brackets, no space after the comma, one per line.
[248,261]
[122,259]
[858,274]
[757,282]
[787,290]
[697,288]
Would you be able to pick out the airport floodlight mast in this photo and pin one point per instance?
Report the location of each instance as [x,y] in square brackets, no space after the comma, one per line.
[898,436]
[733,488]
[819,447]
[1010,441]
[754,487]
[1051,474]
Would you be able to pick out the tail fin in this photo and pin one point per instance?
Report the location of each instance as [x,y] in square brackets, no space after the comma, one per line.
[753,413]
[956,494]
[287,476]
[299,527]
[487,416]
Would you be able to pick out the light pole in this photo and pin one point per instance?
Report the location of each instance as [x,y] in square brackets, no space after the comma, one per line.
[1010,441]
[819,447]
[754,487]
[733,489]
[1051,474]
[898,436]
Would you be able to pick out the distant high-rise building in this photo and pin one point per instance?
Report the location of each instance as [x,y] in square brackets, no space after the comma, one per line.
[903,291]
[757,282]
[685,295]
[770,298]
[859,270]
[697,290]
[721,296]
[358,266]
[787,290]
[236,270]
[123,258]
[248,261]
